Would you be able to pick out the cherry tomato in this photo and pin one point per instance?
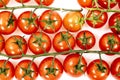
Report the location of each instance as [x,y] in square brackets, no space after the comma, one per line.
[3,3]
[109,42]
[119,5]
[115,68]
[26,70]
[6,70]
[96,19]
[85,39]
[2,42]
[15,46]
[44,2]
[86,3]
[75,65]
[39,43]
[98,70]
[22,1]
[63,41]
[28,22]
[114,23]
[104,3]
[50,21]
[50,69]
[8,22]
[73,21]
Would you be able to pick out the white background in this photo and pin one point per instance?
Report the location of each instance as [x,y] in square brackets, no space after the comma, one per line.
[70,4]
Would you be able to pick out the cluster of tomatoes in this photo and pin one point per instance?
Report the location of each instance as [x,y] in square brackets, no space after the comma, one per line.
[39,42]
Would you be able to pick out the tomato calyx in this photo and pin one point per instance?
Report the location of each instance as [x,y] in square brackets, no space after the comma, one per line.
[4,71]
[81,21]
[101,68]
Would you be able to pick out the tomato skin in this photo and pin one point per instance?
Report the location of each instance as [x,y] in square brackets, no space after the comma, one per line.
[93,72]
[24,25]
[45,2]
[103,18]
[10,72]
[59,45]
[46,25]
[47,63]
[70,68]
[115,68]
[12,49]
[85,3]
[119,5]
[71,21]
[2,42]
[23,1]
[105,46]
[113,22]
[35,48]
[104,4]
[90,39]
[4,17]
[19,73]
[5,2]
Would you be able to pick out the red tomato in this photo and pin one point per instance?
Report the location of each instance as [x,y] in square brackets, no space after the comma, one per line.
[115,68]
[15,46]
[104,3]
[96,19]
[28,22]
[50,21]
[73,21]
[85,39]
[85,3]
[114,23]
[63,41]
[22,1]
[119,5]
[96,71]
[39,43]
[50,69]
[8,22]
[118,1]
[2,42]
[44,2]
[6,71]
[26,70]
[109,42]
[74,65]
[4,2]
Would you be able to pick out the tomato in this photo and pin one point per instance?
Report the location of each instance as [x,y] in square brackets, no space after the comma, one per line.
[39,43]
[44,2]
[50,21]
[74,65]
[15,46]
[73,21]
[109,42]
[63,41]
[96,19]
[28,22]
[3,3]
[119,5]
[118,1]
[2,42]
[115,68]
[114,23]
[85,39]
[26,70]
[22,1]
[86,3]
[104,3]
[98,71]
[8,22]
[50,69]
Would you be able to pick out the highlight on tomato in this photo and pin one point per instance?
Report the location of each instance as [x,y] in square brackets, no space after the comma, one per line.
[50,21]
[50,69]
[26,70]
[44,2]
[98,70]
[2,42]
[73,21]
[3,3]
[75,65]
[63,41]
[22,1]
[39,43]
